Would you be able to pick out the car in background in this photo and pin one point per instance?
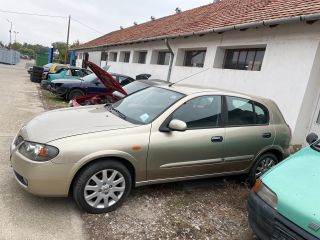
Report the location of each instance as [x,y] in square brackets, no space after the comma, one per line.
[160,134]
[66,73]
[88,85]
[38,73]
[284,203]
[113,96]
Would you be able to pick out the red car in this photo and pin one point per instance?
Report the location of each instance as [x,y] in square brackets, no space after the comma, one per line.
[115,90]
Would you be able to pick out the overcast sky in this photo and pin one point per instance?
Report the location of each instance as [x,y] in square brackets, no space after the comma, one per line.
[104,16]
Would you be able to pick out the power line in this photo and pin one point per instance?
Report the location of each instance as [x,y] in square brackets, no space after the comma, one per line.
[52,16]
[85,25]
[33,14]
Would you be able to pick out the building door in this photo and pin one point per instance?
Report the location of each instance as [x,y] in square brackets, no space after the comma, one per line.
[85,58]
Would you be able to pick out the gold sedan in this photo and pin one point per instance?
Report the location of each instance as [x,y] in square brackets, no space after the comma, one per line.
[159,134]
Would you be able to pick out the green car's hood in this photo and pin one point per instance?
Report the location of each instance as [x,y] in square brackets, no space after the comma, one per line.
[296,181]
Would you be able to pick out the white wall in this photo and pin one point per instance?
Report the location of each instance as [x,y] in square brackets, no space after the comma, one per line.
[284,77]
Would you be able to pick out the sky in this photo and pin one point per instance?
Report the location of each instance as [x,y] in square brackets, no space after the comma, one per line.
[102,16]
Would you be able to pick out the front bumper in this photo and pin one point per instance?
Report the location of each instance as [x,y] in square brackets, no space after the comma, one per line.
[45,84]
[267,223]
[41,178]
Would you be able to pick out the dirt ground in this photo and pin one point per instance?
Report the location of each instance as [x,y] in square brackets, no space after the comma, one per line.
[202,209]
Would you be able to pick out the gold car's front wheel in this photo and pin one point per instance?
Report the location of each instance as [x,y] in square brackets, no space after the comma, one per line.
[102,186]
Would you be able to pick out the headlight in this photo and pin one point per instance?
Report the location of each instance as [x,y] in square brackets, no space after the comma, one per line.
[266,194]
[38,152]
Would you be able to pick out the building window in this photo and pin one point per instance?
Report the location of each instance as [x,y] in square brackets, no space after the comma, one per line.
[104,56]
[126,57]
[163,58]
[113,56]
[142,57]
[244,59]
[194,58]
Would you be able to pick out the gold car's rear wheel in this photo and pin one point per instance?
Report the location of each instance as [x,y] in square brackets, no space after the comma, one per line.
[102,187]
[261,166]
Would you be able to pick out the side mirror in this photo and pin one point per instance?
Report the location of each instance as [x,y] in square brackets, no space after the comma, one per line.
[311,138]
[177,125]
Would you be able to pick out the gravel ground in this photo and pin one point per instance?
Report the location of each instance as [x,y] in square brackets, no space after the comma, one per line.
[203,209]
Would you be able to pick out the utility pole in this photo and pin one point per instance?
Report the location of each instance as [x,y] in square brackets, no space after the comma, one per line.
[10,32]
[66,57]
[15,36]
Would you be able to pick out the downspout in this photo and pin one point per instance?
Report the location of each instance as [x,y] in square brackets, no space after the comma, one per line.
[171,59]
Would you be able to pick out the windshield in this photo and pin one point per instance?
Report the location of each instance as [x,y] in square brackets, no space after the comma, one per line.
[144,106]
[90,77]
[49,65]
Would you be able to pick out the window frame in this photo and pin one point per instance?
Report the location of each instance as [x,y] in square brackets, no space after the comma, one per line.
[194,50]
[125,55]
[158,60]
[253,102]
[164,127]
[145,57]
[256,50]
[114,56]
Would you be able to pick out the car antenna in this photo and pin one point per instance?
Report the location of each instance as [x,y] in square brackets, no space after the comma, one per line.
[171,84]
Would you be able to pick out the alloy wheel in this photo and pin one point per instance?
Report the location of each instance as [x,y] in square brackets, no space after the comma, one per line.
[104,189]
[264,165]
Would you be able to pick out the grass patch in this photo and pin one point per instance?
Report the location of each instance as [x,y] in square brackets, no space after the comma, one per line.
[51,101]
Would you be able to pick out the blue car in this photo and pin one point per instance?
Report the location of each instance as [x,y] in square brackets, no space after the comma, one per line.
[90,84]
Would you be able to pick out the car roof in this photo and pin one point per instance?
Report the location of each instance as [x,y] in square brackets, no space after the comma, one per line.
[119,75]
[152,82]
[189,89]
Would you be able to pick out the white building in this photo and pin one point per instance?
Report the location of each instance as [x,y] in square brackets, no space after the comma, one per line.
[266,48]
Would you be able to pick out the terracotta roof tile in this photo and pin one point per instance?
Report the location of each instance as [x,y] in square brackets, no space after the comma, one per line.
[222,14]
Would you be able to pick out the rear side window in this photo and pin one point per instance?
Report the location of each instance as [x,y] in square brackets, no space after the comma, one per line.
[76,73]
[200,112]
[242,112]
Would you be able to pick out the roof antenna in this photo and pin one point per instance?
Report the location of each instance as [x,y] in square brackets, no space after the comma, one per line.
[171,84]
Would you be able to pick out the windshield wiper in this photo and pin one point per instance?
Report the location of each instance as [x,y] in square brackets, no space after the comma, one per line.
[120,114]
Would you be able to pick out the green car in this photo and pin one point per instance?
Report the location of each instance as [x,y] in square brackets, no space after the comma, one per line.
[284,203]
[65,73]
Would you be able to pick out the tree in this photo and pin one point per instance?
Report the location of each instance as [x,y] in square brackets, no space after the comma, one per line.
[1,45]
[61,47]
[16,46]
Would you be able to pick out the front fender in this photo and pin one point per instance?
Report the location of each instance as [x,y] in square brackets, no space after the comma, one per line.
[99,155]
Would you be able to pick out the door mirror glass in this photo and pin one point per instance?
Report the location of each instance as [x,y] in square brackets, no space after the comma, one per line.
[177,125]
[311,138]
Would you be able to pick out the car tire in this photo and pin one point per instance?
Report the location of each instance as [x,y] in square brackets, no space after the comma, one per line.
[75,93]
[262,165]
[97,186]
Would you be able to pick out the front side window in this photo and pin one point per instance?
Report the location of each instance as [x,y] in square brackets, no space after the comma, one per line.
[142,57]
[243,112]
[194,58]
[200,112]
[244,59]
[146,105]
[68,72]
[163,58]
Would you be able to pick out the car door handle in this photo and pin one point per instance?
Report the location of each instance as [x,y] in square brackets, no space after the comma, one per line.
[217,139]
[266,135]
